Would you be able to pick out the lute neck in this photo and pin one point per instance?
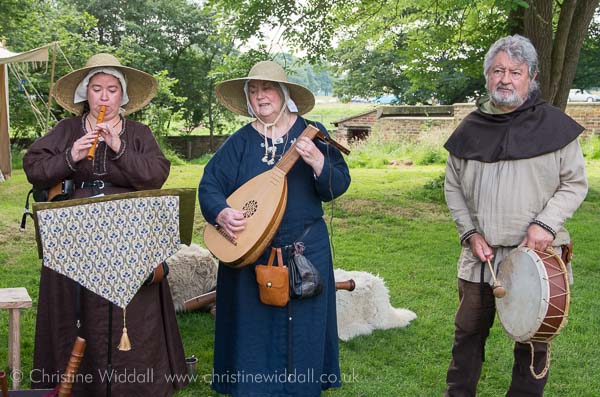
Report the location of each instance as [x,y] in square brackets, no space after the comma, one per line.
[291,156]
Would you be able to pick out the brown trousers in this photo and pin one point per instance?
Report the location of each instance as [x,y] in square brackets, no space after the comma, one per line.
[472,324]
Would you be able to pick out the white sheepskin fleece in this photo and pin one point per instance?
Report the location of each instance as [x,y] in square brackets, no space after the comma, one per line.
[192,272]
[368,307]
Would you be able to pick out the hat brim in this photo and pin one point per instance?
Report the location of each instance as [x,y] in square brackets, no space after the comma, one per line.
[230,94]
[141,88]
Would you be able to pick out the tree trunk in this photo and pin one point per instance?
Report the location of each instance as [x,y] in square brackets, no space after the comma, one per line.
[558,54]
[538,28]
[582,18]
[565,22]
[211,121]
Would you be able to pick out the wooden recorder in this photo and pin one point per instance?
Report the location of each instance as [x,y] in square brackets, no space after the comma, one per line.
[92,151]
[64,390]
[3,384]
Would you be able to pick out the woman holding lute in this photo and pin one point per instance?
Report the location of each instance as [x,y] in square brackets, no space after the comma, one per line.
[294,347]
[103,152]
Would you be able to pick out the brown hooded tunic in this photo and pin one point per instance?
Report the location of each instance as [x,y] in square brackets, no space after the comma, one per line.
[157,351]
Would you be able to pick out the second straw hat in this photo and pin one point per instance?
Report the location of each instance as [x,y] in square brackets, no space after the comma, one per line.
[231,92]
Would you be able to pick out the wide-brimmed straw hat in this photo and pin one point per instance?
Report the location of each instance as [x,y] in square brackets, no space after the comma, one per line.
[231,92]
[141,87]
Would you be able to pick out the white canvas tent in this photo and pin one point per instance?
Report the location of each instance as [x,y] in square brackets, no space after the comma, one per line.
[36,55]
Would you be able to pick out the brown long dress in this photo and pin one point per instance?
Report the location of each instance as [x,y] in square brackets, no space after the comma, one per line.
[155,366]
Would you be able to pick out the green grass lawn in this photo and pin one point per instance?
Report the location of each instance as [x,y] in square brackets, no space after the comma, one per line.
[388,224]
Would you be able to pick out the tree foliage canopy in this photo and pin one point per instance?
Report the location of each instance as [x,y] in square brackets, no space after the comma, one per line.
[422,51]
[588,69]
[177,36]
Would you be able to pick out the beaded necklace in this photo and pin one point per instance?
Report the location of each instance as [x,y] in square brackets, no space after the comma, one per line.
[271,151]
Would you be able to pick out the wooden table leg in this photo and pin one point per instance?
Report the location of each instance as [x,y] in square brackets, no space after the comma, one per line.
[10,347]
[14,345]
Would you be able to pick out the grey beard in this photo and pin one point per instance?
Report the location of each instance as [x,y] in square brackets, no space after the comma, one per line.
[512,100]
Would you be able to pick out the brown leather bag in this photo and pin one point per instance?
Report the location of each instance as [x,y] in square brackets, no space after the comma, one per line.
[567,253]
[273,281]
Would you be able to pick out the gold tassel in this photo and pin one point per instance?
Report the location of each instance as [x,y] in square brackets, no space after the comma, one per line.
[125,344]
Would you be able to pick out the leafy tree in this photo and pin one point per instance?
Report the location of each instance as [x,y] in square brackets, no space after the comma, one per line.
[324,81]
[13,13]
[161,111]
[234,65]
[316,78]
[366,73]
[181,36]
[437,46]
[389,46]
[65,25]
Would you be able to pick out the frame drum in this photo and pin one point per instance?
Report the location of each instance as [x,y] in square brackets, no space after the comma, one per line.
[536,304]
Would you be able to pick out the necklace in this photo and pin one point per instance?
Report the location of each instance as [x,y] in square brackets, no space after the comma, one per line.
[87,118]
[271,151]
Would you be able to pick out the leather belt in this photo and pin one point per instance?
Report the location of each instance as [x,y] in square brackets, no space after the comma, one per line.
[97,184]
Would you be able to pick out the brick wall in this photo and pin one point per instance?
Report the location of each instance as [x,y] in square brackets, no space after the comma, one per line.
[586,114]
[362,122]
[386,126]
[363,118]
[409,127]
[461,110]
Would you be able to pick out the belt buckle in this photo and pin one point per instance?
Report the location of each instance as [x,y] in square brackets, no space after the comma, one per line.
[98,184]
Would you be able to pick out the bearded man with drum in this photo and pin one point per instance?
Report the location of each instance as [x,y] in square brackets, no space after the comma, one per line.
[515,173]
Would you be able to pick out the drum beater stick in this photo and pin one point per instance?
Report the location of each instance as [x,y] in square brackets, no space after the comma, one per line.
[497,288]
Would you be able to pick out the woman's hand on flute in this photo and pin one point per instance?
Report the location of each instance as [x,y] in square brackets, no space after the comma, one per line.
[110,134]
[80,147]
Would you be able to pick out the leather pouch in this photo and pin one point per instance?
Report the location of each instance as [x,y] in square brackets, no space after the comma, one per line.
[273,281]
[305,279]
[567,253]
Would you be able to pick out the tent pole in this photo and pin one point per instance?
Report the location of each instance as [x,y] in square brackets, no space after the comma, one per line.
[51,86]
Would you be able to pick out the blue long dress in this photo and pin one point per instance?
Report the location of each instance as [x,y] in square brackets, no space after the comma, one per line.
[263,350]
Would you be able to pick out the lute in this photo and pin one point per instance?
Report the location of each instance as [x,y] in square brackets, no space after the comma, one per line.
[263,200]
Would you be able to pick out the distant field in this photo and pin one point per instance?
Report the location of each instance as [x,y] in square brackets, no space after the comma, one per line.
[324,112]
[327,112]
